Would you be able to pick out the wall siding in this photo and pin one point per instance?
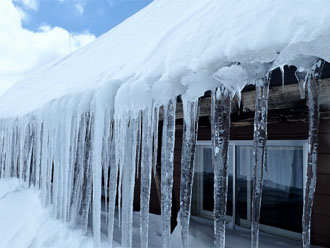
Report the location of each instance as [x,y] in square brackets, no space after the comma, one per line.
[287,131]
[321,208]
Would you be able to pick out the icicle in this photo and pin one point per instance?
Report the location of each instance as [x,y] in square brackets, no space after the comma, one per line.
[112,182]
[106,158]
[138,146]
[220,114]
[155,152]
[78,170]
[121,133]
[314,115]
[66,164]
[155,139]
[88,174]
[146,166]
[128,182]
[260,140]
[302,77]
[187,165]
[44,163]
[168,140]
[38,153]
[71,165]
[283,76]
[97,146]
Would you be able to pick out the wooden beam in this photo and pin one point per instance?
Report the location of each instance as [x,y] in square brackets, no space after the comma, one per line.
[287,97]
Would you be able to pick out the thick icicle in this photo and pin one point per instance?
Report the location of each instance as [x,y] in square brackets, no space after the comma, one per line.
[112,182]
[260,140]
[155,139]
[302,77]
[220,124]
[314,115]
[190,129]
[283,76]
[146,167]
[128,182]
[155,152]
[168,139]
[138,144]
[97,147]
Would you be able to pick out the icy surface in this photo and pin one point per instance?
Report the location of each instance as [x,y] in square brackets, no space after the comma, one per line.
[25,223]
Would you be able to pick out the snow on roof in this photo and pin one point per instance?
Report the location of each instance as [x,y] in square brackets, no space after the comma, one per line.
[180,47]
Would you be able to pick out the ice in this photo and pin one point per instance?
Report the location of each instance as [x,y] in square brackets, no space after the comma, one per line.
[128,180]
[146,168]
[313,112]
[260,141]
[168,139]
[112,180]
[220,126]
[190,129]
[155,139]
[302,77]
[283,76]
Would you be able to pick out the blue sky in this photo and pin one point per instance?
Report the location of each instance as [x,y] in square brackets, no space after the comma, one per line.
[95,16]
[34,33]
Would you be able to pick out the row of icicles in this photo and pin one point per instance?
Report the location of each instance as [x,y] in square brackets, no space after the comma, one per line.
[68,155]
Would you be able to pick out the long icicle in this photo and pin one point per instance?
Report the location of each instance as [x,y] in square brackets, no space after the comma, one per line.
[314,116]
[97,142]
[146,167]
[260,140]
[187,165]
[112,183]
[220,125]
[128,182]
[168,140]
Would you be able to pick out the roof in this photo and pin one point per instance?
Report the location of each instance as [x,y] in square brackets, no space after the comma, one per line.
[179,47]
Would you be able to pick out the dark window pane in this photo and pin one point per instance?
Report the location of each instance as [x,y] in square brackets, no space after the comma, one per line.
[208,181]
[244,159]
[282,199]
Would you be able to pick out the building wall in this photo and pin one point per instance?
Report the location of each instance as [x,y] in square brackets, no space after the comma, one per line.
[321,208]
[284,131]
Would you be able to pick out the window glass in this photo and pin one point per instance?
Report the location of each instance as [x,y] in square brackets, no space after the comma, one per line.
[282,198]
[244,160]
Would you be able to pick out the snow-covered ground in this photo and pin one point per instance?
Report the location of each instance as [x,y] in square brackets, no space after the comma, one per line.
[25,223]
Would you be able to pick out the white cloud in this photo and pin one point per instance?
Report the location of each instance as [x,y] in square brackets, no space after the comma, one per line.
[23,50]
[80,8]
[30,4]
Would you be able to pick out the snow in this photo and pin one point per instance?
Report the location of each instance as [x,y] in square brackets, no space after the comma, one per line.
[153,53]
[25,223]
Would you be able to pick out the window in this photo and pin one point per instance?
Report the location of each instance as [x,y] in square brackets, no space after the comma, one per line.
[282,199]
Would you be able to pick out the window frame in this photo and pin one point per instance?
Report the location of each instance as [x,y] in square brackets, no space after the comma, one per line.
[232,219]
